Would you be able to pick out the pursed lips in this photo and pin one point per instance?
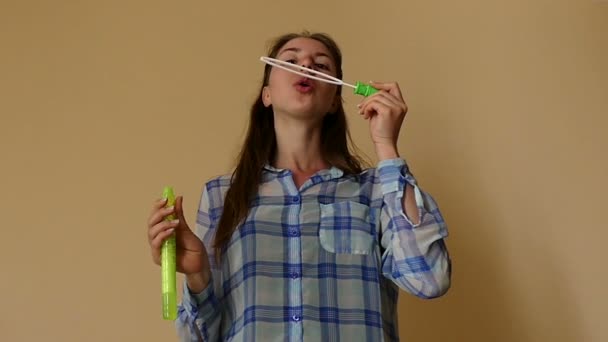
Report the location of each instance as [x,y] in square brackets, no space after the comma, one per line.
[304,85]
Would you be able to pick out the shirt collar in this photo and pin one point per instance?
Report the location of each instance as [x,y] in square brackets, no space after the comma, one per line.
[331,173]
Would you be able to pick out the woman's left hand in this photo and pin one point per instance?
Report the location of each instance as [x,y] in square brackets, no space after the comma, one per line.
[386,111]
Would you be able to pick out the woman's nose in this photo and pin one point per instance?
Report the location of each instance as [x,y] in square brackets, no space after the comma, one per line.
[306,62]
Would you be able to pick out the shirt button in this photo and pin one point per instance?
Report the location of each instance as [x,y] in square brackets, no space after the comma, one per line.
[295,199]
[293,232]
[294,275]
[296,318]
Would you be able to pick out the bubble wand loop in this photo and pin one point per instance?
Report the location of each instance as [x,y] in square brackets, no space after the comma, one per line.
[359,87]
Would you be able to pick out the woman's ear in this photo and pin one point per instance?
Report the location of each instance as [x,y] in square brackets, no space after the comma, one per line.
[266,97]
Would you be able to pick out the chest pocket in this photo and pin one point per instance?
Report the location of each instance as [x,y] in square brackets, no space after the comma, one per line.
[345,227]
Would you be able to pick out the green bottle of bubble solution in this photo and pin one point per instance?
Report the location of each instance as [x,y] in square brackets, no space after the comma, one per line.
[168,264]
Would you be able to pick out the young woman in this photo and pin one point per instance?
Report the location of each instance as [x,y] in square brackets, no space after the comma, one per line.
[299,242]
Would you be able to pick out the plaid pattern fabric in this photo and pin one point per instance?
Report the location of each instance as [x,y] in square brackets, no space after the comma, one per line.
[321,263]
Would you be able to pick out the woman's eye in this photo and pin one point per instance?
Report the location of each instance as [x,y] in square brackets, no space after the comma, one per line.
[292,61]
[321,66]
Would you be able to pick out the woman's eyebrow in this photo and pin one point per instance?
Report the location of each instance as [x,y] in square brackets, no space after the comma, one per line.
[294,49]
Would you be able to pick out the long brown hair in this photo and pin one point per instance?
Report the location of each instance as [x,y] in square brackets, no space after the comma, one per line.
[260,146]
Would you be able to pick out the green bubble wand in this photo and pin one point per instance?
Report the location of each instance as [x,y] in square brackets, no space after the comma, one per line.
[359,87]
[168,264]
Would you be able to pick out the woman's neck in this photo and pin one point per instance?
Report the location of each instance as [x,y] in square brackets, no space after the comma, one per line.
[299,146]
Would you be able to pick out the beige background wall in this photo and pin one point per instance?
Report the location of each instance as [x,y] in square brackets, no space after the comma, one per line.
[102,103]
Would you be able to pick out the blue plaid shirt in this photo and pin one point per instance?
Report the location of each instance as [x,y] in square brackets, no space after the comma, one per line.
[321,263]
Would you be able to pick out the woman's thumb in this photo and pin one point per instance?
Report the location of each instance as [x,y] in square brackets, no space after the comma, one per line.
[179,209]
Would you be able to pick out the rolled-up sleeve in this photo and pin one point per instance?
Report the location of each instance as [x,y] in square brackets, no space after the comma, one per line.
[199,314]
[415,256]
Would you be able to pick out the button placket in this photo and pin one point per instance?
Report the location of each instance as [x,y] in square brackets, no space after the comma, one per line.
[293,203]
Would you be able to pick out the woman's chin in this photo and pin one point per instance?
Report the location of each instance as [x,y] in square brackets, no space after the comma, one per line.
[304,114]
[299,111]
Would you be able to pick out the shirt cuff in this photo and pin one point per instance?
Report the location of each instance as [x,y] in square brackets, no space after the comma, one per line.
[201,305]
[392,173]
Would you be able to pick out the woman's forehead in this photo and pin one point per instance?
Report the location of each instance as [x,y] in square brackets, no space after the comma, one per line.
[306,44]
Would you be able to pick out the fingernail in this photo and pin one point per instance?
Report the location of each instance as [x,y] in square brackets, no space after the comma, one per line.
[170,230]
[175,221]
[170,208]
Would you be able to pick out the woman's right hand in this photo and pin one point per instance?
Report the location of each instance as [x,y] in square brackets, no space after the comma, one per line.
[191,255]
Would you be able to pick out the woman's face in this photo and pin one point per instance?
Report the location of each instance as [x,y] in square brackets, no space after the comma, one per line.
[297,96]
